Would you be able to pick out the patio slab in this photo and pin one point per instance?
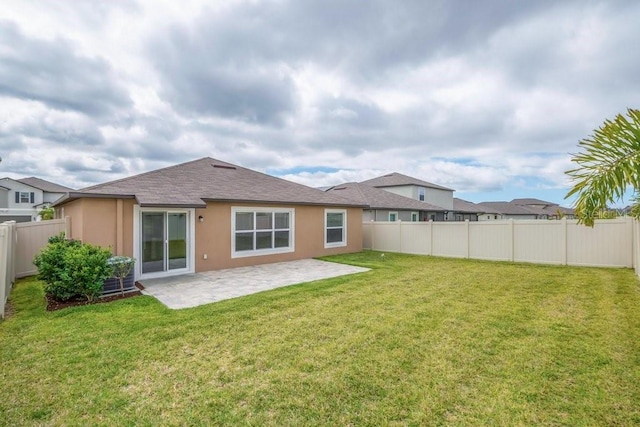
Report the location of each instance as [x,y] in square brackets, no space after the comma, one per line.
[191,290]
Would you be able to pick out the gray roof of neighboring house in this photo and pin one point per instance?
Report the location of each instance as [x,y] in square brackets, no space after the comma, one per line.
[396,179]
[460,205]
[508,208]
[531,202]
[49,187]
[194,183]
[381,199]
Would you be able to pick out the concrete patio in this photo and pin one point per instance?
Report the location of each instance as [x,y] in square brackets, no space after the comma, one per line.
[191,290]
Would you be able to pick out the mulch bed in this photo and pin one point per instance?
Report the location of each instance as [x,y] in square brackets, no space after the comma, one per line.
[53,305]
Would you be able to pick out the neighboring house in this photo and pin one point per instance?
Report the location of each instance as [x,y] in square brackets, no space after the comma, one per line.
[207,215]
[386,206]
[508,210]
[414,188]
[466,210]
[21,199]
[547,210]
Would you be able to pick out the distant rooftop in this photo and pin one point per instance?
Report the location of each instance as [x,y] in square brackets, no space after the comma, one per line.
[44,185]
[396,179]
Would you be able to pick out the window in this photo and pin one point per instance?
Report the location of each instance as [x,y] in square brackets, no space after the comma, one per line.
[261,231]
[393,216]
[414,216]
[335,225]
[421,194]
[25,197]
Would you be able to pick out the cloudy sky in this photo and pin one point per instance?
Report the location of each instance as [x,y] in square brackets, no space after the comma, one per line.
[486,97]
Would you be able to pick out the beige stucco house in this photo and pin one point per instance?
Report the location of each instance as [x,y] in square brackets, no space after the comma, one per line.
[207,215]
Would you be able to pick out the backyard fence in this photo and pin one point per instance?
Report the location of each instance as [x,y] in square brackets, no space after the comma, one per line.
[610,243]
[19,244]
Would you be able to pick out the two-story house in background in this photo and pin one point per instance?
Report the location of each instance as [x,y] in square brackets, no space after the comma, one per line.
[22,199]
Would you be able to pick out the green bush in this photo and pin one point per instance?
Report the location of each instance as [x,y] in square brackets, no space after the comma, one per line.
[69,268]
[50,262]
[86,269]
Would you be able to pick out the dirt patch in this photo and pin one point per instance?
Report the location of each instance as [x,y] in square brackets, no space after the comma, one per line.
[8,310]
[53,305]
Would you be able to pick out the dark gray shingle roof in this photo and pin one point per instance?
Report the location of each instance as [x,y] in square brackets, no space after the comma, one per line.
[396,179]
[460,205]
[381,199]
[193,183]
[44,185]
[508,208]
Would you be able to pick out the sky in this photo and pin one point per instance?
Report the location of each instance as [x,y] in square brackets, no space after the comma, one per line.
[489,98]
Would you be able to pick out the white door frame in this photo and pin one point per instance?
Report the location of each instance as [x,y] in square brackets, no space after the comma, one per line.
[137,242]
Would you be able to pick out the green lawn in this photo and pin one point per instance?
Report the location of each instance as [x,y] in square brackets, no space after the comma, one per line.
[415,341]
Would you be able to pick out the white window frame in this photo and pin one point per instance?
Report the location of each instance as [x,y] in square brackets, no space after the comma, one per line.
[22,193]
[393,213]
[261,252]
[344,228]
[422,194]
[415,217]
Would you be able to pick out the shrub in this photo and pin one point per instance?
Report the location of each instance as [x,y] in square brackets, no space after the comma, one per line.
[122,266]
[86,269]
[69,268]
[50,262]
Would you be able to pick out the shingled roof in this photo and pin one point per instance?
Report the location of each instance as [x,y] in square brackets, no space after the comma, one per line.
[44,185]
[194,183]
[396,179]
[381,199]
[508,208]
[461,205]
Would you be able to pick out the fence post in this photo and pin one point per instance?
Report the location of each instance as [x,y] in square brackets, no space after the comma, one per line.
[512,249]
[4,274]
[430,237]
[373,235]
[466,226]
[565,237]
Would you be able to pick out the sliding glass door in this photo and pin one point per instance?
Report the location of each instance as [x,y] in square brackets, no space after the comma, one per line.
[163,241]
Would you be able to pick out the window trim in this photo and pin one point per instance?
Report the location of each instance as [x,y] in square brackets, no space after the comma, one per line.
[422,193]
[261,252]
[415,217]
[343,243]
[392,213]
[28,197]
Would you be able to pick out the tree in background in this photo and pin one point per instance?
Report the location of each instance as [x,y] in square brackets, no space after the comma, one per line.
[607,166]
[46,213]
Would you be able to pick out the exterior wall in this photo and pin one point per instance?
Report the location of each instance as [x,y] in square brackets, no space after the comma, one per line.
[490,217]
[213,236]
[442,198]
[520,216]
[402,190]
[101,222]
[4,198]
[51,197]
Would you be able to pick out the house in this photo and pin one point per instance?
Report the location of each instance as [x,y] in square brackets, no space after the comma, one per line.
[548,210]
[414,188]
[386,206]
[450,208]
[508,210]
[22,199]
[526,209]
[207,215]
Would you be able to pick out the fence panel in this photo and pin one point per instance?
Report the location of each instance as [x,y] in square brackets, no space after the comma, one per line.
[33,236]
[450,239]
[387,237]
[610,243]
[539,241]
[415,238]
[491,240]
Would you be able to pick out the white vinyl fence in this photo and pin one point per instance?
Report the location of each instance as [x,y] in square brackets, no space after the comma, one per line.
[610,243]
[19,244]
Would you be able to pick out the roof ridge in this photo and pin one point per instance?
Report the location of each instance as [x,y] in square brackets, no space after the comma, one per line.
[93,187]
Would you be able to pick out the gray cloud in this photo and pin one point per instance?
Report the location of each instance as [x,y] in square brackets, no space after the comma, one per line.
[53,73]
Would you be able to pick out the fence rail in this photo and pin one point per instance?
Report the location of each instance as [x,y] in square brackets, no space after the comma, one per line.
[610,243]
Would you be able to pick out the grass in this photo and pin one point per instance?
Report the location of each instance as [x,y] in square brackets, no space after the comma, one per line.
[415,341]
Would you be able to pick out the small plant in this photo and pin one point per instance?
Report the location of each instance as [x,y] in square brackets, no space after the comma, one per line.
[122,266]
[46,214]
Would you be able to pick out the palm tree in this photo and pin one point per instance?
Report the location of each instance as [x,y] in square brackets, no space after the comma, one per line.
[607,167]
